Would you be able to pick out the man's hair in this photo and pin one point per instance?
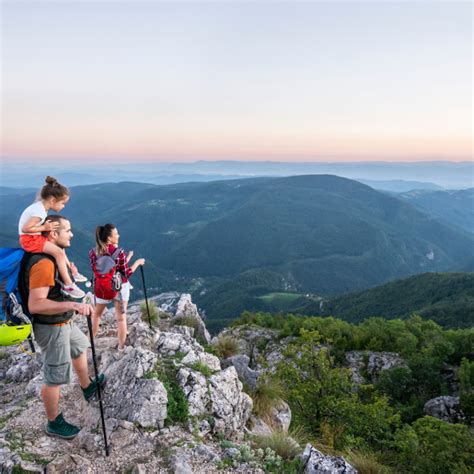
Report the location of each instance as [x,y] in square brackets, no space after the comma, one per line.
[54,218]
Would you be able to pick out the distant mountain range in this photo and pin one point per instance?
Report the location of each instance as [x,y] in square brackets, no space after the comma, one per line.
[389,176]
[230,241]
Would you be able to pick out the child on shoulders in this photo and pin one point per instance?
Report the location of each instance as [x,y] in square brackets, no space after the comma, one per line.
[53,195]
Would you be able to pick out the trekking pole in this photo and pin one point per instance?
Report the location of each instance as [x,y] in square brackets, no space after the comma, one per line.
[99,390]
[144,291]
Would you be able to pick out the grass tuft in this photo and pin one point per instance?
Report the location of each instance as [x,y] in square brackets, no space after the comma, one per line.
[283,444]
[201,367]
[366,463]
[268,394]
[186,321]
[154,316]
[226,346]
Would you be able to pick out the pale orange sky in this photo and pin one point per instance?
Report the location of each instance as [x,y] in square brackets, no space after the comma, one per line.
[246,81]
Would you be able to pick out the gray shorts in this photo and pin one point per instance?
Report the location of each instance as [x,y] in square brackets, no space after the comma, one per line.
[59,345]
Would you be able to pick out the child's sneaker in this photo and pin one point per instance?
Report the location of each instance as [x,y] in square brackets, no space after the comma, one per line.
[73,291]
[79,278]
[61,428]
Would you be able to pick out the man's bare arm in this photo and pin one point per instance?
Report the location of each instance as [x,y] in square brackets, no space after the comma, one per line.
[38,303]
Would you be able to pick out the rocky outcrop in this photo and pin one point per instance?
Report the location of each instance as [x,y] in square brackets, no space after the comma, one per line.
[445,408]
[187,309]
[379,361]
[372,363]
[129,395]
[245,373]
[252,340]
[315,462]
[219,397]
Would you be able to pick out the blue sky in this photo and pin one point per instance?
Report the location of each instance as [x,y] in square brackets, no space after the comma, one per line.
[237,80]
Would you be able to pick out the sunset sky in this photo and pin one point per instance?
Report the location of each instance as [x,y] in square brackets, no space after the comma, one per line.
[313,81]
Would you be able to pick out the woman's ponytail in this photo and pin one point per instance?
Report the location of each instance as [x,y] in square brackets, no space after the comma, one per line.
[102,233]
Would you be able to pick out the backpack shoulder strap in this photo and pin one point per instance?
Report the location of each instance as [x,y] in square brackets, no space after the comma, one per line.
[116,253]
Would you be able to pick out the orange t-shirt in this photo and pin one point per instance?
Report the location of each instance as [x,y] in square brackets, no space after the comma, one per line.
[42,275]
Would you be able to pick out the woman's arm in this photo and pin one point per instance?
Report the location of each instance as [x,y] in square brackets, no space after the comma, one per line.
[136,264]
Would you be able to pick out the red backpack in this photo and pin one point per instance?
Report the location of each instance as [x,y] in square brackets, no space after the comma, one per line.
[107,280]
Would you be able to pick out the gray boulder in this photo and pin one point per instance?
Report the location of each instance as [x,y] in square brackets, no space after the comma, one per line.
[219,396]
[245,373]
[129,396]
[315,462]
[445,408]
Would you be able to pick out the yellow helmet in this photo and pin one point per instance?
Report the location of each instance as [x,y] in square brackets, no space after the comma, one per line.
[11,335]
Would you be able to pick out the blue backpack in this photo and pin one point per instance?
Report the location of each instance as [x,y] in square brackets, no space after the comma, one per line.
[13,313]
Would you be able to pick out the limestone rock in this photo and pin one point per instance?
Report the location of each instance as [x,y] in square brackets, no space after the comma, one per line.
[23,367]
[445,408]
[131,397]
[355,362]
[379,361]
[186,308]
[203,357]
[169,343]
[372,362]
[280,416]
[259,427]
[316,462]
[245,373]
[185,330]
[69,463]
[230,406]
[219,396]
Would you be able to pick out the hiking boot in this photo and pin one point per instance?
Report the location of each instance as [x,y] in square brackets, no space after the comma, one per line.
[73,291]
[61,428]
[79,278]
[90,391]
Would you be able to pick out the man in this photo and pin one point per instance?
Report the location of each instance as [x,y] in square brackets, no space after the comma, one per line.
[62,343]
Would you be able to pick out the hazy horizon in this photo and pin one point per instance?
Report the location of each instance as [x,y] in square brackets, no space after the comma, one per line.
[245,81]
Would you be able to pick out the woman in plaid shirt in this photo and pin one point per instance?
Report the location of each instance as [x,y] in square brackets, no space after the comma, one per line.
[107,239]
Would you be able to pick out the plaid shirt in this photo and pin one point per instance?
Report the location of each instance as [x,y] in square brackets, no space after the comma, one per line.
[122,265]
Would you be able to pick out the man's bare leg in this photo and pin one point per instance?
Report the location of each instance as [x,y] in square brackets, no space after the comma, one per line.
[50,396]
[81,369]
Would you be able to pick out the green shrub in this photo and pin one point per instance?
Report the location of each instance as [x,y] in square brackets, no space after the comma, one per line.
[154,316]
[434,446]
[466,377]
[177,407]
[226,346]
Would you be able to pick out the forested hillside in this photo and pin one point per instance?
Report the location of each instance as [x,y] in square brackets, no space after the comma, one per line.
[232,242]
